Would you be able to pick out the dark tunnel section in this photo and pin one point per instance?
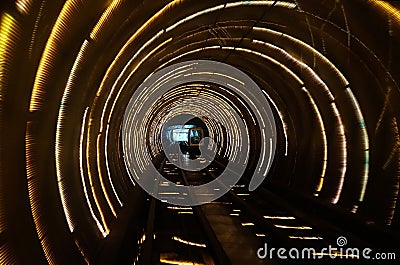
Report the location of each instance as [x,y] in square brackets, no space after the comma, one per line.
[68,69]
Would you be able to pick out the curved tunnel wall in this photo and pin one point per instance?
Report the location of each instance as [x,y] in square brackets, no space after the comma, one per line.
[68,69]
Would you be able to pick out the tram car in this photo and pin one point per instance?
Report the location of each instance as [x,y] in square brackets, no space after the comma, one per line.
[189,138]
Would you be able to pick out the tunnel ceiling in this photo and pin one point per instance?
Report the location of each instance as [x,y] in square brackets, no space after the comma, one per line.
[329,71]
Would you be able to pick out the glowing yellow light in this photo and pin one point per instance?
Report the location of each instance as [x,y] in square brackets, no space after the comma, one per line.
[279,217]
[178,239]
[102,184]
[23,6]
[133,37]
[306,237]
[178,262]
[106,230]
[9,34]
[294,227]
[388,9]
[108,167]
[49,53]
[179,208]
[335,254]
[324,138]
[365,143]
[81,161]
[104,19]
[247,224]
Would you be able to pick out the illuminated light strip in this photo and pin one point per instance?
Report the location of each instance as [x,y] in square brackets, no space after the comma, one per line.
[127,79]
[178,239]
[46,61]
[267,3]
[60,126]
[347,27]
[231,5]
[324,138]
[120,76]
[178,262]
[91,184]
[388,9]
[306,237]
[335,254]
[244,105]
[343,169]
[197,43]
[35,194]
[301,64]
[294,227]
[264,139]
[307,47]
[132,38]
[105,17]
[205,11]
[7,255]
[23,6]
[213,73]
[108,167]
[9,34]
[334,108]
[35,28]
[284,126]
[133,71]
[269,158]
[325,159]
[130,175]
[365,142]
[85,190]
[82,251]
[103,186]
[9,31]
[397,185]
[279,217]
[290,72]
[228,100]
[244,95]
[384,109]
[344,81]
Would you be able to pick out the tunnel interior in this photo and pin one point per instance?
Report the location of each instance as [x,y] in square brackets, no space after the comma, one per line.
[303,94]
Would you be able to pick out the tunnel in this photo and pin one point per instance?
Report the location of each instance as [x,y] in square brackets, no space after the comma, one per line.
[199,132]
